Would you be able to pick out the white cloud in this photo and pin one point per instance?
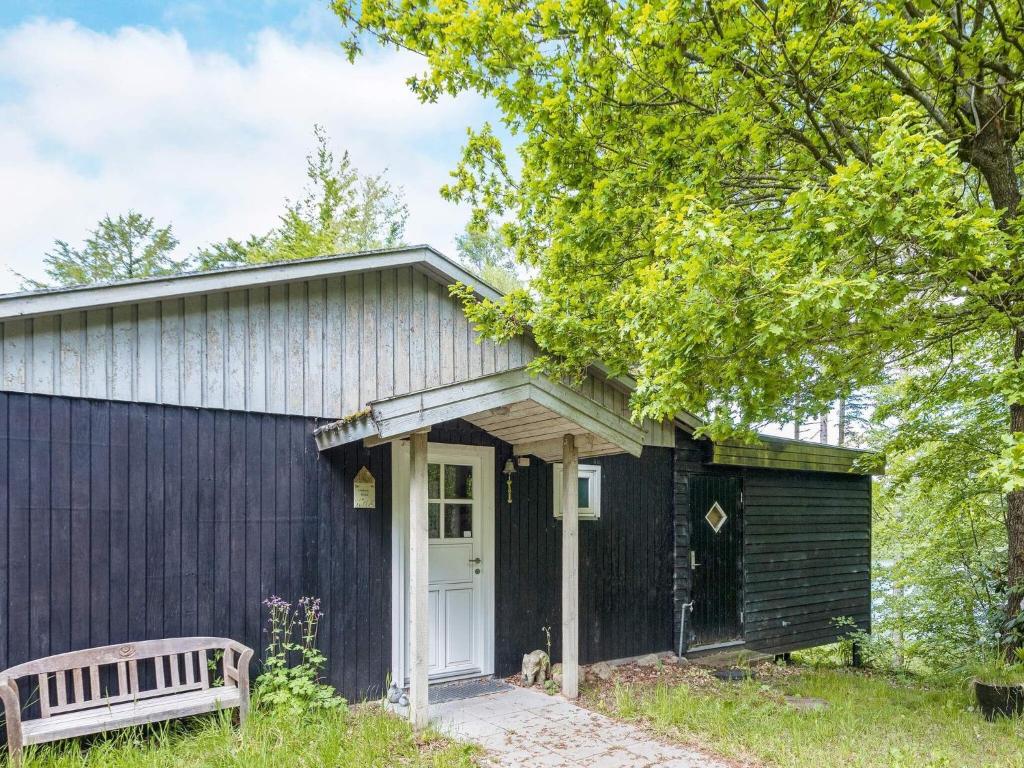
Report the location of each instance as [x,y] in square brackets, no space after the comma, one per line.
[96,123]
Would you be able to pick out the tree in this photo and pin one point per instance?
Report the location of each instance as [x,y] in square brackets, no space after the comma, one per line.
[755,208]
[341,211]
[940,516]
[129,246]
[483,248]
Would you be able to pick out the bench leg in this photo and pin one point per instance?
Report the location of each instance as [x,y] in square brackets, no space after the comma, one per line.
[14,750]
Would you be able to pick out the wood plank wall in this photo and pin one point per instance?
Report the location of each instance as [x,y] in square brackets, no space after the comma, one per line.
[625,563]
[126,521]
[807,557]
[319,348]
[807,550]
[122,522]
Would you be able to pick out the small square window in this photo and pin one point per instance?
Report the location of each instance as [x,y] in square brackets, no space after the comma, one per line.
[588,497]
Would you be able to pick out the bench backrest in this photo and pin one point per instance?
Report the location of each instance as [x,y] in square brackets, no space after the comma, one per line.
[112,674]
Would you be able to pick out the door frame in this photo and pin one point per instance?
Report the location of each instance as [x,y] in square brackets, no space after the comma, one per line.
[484,640]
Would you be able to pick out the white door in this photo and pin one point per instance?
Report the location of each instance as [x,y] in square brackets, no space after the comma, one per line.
[460,491]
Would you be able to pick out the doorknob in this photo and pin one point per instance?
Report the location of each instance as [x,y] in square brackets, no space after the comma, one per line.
[693,559]
[475,561]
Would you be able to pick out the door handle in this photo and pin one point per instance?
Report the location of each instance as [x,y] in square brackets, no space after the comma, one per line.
[475,561]
[693,560]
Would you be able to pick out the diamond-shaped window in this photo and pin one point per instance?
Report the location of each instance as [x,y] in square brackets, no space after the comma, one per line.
[716,517]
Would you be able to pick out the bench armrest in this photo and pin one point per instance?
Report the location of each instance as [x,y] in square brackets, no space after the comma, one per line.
[236,670]
[12,710]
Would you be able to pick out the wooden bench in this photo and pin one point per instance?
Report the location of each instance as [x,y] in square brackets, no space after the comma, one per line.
[117,686]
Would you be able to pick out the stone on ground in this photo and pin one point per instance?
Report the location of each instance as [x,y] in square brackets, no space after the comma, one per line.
[807,703]
[602,671]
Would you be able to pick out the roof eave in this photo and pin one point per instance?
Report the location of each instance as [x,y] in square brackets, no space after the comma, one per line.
[402,415]
[54,301]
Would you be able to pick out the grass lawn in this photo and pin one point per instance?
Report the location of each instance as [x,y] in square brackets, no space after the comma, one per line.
[364,737]
[871,720]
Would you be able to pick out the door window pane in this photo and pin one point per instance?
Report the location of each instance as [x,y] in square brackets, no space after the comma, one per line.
[434,520]
[716,517]
[458,521]
[433,481]
[458,481]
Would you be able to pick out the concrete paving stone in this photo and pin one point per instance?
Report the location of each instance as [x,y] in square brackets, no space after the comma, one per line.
[471,729]
[619,758]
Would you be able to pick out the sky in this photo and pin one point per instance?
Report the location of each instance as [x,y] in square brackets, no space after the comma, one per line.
[200,115]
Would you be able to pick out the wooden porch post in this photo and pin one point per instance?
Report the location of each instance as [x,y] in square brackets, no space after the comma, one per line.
[570,569]
[418,580]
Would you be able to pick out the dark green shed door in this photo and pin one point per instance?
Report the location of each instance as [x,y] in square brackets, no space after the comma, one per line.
[716,559]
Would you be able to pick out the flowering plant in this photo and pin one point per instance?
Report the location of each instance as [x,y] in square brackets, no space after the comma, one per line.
[291,669]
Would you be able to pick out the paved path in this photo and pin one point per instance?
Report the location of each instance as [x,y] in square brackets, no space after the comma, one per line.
[529,729]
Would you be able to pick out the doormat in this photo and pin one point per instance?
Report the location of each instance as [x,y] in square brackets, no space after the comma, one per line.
[456,690]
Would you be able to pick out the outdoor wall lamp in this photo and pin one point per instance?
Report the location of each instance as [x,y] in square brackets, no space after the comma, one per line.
[508,471]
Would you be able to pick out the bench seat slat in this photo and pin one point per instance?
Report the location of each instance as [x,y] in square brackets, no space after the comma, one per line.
[98,720]
[152,693]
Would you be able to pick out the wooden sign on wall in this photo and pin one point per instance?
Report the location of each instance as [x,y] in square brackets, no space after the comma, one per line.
[364,490]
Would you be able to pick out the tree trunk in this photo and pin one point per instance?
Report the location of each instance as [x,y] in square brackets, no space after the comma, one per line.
[993,156]
[1015,519]
[842,422]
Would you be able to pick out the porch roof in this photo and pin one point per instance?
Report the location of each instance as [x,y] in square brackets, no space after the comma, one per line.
[530,412]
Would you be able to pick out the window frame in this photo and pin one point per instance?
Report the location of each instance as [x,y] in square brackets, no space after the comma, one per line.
[592,472]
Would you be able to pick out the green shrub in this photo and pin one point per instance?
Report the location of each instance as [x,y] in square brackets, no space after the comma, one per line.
[291,670]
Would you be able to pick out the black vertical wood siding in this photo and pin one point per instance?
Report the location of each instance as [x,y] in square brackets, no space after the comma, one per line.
[625,563]
[122,522]
[806,551]
[126,521]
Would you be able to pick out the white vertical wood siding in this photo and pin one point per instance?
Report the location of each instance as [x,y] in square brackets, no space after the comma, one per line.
[322,348]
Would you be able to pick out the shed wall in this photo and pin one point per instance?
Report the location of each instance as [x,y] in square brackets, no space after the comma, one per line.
[807,557]
[806,550]
[625,563]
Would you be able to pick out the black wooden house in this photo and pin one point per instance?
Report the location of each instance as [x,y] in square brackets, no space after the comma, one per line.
[173,451]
